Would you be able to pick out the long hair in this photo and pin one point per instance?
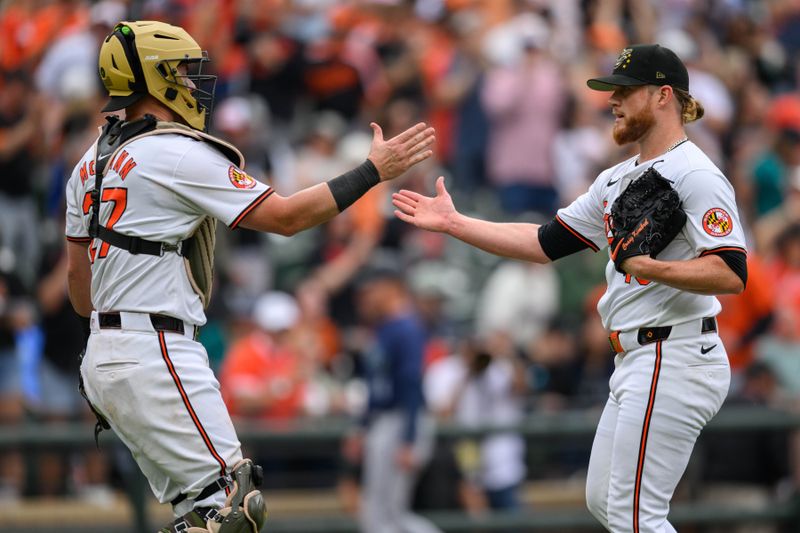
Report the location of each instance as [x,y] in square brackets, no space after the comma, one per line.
[691,108]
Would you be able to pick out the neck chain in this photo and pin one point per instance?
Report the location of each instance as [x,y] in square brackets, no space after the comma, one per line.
[680,142]
[671,148]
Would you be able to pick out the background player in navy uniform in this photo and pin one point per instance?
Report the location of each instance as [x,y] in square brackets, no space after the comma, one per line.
[396,436]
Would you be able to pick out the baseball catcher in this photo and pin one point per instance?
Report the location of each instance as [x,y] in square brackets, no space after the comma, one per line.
[142,208]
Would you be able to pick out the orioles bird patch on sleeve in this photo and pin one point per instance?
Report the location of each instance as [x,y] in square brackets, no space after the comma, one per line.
[240,179]
[717,222]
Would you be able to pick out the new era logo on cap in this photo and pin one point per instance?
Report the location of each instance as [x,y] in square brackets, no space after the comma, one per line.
[644,64]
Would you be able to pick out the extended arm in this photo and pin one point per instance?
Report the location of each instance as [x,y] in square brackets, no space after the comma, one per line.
[79,277]
[703,275]
[512,240]
[315,205]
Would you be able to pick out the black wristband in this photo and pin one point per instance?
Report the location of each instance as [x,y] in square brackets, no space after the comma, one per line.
[352,185]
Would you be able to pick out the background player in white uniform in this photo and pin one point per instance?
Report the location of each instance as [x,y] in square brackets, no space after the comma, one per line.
[143,370]
[672,371]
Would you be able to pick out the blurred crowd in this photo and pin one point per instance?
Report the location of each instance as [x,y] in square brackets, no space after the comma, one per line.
[518,136]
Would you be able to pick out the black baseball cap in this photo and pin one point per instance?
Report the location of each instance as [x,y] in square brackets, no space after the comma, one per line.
[644,64]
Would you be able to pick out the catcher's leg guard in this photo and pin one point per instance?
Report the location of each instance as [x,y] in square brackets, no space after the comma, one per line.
[192,522]
[245,510]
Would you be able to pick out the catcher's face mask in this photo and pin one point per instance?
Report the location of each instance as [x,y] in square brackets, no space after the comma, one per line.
[150,57]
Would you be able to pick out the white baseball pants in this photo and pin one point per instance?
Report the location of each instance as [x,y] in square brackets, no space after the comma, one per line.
[162,399]
[662,395]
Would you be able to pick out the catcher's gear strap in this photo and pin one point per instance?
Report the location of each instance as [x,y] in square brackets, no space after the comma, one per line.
[198,249]
[557,240]
[113,137]
[199,260]
[218,484]
[735,259]
[245,510]
[195,519]
[352,185]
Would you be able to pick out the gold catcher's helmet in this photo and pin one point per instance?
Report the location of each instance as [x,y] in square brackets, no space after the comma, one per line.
[142,57]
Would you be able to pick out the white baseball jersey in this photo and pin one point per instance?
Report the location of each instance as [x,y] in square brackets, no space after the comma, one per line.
[156,388]
[157,188]
[712,225]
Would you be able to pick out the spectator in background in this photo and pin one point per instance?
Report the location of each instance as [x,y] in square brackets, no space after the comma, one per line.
[523,97]
[396,437]
[330,81]
[751,482]
[263,377]
[462,87]
[20,122]
[746,317]
[595,357]
[480,387]
[769,226]
[60,400]
[75,54]
[554,362]
[699,57]
[276,73]
[579,150]
[28,28]
[245,123]
[318,157]
[772,169]
[781,349]
[13,318]
[520,299]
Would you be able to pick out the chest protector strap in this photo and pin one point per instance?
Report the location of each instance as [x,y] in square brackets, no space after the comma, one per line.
[198,250]
[114,134]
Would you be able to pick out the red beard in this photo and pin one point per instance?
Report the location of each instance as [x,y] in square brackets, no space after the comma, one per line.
[635,127]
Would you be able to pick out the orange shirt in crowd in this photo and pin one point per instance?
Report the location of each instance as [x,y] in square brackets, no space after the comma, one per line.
[261,380]
[741,312]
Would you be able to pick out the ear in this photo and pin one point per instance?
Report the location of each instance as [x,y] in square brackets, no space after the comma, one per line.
[665,95]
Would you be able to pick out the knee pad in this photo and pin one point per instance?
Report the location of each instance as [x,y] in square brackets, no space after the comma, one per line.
[245,510]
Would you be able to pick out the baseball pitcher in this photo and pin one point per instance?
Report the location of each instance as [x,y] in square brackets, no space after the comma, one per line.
[669,219]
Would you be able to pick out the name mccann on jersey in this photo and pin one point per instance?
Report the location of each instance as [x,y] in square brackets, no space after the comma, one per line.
[122,164]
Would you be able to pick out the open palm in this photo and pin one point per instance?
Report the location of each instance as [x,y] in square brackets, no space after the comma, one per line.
[430,213]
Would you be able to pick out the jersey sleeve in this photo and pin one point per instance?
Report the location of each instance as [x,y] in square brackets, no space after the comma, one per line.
[75,229]
[712,218]
[207,180]
[583,218]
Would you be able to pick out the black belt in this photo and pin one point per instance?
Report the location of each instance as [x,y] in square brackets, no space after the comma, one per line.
[648,335]
[655,334]
[164,323]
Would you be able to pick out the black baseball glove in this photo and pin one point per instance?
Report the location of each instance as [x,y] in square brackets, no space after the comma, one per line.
[645,218]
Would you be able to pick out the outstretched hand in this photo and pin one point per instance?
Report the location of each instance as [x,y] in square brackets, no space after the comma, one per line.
[430,213]
[401,152]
